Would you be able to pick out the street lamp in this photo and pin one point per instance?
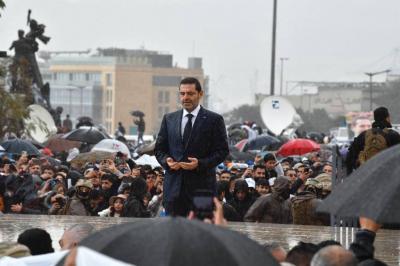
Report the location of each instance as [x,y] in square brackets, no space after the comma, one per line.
[371,74]
[282,61]
[272,85]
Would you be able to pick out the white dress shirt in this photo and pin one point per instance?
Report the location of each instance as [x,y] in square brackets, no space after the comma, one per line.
[195,112]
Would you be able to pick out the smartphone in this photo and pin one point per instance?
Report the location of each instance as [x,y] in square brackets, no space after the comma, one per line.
[203,204]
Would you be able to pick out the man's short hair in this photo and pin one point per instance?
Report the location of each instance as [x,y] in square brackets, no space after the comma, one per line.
[258,166]
[191,80]
[381,113]
[302,253]
[334,255]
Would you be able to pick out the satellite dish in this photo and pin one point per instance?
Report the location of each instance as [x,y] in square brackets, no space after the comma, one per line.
[40,125]
[277,113]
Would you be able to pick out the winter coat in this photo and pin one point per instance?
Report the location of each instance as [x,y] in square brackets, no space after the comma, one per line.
[270,208]
[74,206]
[241,206]
[134,206]
[304,207]
[274,207]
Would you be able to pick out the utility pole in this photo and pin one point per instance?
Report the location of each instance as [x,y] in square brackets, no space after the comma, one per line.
[272,85]
[371,74]
[281,86]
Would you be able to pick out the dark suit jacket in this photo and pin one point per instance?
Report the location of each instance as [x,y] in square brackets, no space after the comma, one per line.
[208,143]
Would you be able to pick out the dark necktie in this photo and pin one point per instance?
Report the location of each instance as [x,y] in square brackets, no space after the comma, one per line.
[188,130]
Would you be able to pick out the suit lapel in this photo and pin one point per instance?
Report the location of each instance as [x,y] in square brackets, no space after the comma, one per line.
[178,123]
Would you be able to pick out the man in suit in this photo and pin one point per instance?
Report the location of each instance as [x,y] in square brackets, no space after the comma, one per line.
[190,144]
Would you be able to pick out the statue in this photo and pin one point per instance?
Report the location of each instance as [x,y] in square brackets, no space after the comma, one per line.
[25,63]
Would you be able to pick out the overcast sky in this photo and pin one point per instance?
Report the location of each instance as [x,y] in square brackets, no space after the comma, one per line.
[326,40]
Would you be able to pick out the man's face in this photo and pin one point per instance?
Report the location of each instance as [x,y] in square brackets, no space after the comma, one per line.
[302,172]
[225,176]
[48,173]
[259,173]
[241,195]
[136,172]
[361,126]
[189,96]
[35,169]
[291,174]
[106,184]
[327,169]
[95,181]
[270,164]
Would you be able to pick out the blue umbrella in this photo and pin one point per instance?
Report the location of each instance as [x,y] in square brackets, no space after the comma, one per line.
[17,146]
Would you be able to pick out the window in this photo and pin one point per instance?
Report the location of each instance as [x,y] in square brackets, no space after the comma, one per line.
[160,112]
[87,76]
[71,77]
[166,96]
[54,76]
[160,96]
[166,110]
[109,79]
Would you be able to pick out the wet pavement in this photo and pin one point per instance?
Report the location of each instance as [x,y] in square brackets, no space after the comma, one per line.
[387,243]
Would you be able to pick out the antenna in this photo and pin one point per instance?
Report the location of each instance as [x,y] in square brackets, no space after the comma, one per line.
[277,113]
[40,124]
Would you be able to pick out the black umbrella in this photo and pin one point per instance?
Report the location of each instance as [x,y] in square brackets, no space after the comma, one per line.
[372,191]
[89,135]
[242,156]
[264,141]
[137,113]
[177,241]
[17,146]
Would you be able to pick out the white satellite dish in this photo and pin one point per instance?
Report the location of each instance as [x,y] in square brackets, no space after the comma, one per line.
[277,113]
[40,126]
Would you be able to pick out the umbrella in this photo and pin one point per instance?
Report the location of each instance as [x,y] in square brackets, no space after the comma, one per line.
[57,143]
[240,145]
[177,241]
[89,135]
[137,113]
[147,149]
[92,157]
[147,159]
[17,146]
[242,156]
[113,146]
[269,142]
[372,191]
[298,147]
[1,148]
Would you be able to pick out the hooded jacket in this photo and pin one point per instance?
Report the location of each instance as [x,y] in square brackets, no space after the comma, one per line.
[241,206]
[274,207]
[134,206]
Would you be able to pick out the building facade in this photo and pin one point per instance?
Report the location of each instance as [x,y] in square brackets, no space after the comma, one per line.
[337,98]
[109,85]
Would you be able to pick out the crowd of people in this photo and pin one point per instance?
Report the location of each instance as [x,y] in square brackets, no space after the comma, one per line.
[266,189]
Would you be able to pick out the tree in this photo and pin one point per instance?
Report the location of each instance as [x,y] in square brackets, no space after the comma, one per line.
[13,108]
[2,5]
[318,121]
[244,113]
